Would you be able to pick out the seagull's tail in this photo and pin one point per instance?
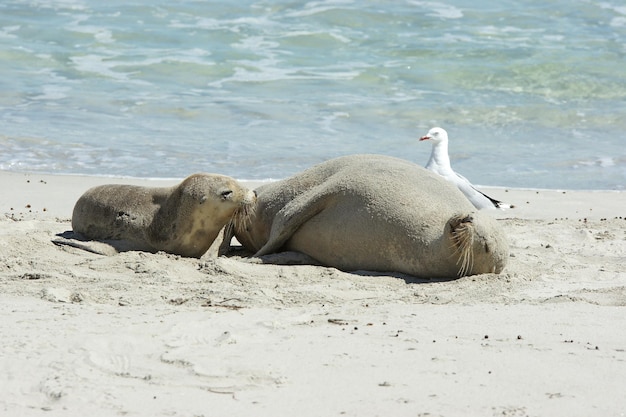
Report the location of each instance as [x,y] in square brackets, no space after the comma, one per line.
[497,203]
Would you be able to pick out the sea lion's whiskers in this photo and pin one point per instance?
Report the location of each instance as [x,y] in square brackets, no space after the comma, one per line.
[462,240]
[242,215]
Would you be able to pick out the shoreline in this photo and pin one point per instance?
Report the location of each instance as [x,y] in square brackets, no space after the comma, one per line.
[135,333]
[168,180]
[27,193]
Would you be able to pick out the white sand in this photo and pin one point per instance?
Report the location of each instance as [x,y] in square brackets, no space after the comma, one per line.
[140,334]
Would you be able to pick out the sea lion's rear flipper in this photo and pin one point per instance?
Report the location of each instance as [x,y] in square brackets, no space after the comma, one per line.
[76,240]
[107,247]
[295,213]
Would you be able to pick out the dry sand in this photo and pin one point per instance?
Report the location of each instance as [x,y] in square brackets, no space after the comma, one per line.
[140,334]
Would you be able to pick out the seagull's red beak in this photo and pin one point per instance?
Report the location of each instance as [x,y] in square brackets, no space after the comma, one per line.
[424,138]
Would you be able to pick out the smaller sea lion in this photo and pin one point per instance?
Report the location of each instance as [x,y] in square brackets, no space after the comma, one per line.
[184,219]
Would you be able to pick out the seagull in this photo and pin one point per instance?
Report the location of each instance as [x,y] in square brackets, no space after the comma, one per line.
[439,163]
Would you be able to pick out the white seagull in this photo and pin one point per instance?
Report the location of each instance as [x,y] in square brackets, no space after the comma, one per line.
[439,163]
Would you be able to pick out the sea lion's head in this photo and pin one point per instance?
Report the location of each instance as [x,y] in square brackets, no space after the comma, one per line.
[217,196]
[204,204]
[478,243]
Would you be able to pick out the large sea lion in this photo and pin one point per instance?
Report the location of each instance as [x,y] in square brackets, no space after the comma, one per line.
[377,213]
[183,220]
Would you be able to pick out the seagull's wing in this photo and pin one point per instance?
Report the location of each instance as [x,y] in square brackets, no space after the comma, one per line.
[479,199]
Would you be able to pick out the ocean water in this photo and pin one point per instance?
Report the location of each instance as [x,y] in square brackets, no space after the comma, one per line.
[532,93]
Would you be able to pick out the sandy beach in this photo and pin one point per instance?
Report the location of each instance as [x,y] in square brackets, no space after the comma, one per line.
[142,334]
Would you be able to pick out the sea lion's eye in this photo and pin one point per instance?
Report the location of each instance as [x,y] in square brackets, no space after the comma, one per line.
[226,194]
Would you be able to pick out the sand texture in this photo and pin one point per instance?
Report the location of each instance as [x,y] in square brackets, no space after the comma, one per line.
[142,334]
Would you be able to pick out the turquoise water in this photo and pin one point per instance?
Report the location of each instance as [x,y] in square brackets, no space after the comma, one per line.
[532,93]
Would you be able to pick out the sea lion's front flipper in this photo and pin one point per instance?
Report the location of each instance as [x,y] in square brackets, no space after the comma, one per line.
[228,232]
[295,213]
